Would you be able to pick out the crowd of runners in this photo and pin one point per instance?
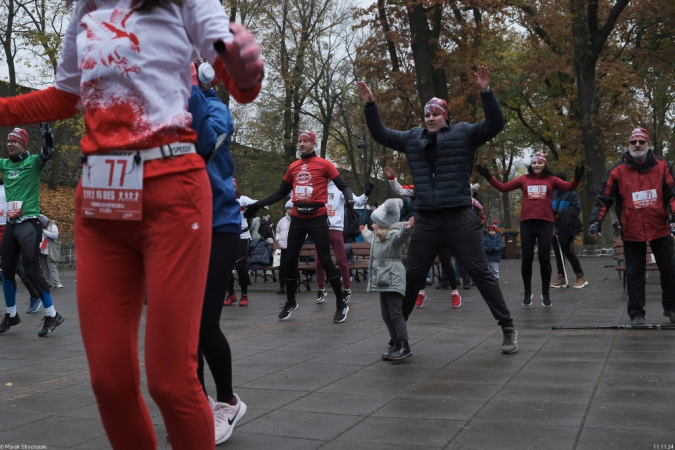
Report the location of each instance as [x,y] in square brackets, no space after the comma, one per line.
[162,156]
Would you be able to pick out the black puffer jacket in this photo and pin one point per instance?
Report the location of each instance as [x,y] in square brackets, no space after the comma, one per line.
[448,186]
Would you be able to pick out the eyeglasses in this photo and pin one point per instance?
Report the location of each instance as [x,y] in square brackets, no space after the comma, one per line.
[641,142]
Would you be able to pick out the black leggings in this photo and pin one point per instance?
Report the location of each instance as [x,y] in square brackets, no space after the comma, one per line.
[446,265]
[542,232]
[317,229]
[241,264]
[23,240]
[212,342]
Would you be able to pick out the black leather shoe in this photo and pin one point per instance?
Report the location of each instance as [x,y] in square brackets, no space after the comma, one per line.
[390,348]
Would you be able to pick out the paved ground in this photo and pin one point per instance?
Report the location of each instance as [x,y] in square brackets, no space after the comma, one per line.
[312,384]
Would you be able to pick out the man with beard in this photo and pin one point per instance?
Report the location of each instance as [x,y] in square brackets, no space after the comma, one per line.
[643,186]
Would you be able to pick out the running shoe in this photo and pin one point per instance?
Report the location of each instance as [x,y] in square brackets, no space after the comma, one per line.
[546,300]
[510,342]
[59,286]
[321,296]
[230,300]
[346,295]
[420,299]
[34,305]
[287,310]
[456,300]
[9,322]
[243,301]
[527,300]
[50,324]
[341,314]
[670,315]
[225,417]
[638,320]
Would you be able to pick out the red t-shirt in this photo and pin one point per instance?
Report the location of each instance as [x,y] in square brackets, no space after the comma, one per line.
[537,194]
[310,178]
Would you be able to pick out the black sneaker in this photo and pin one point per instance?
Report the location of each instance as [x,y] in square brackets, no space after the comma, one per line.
[287,310]
[443,285]
[281,291]
[638,320]
[510,342]
[527,300]
[546,300]
[466,283]
[9,322]
[321,296]
[50,324]
[346,295]
[341,314]
[670,315]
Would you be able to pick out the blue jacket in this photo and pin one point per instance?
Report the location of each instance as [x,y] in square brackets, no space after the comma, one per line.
[441,165]
[211,118]
[493,247]
[562,200]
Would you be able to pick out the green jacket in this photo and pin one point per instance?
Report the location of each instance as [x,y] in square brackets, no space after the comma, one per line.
[386,272]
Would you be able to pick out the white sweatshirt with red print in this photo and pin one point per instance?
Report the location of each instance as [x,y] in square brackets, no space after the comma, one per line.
[130,73]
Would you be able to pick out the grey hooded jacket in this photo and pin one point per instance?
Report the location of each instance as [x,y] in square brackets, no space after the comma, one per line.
[386,272]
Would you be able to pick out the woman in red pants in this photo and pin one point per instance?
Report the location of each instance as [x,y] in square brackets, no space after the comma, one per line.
[143,207]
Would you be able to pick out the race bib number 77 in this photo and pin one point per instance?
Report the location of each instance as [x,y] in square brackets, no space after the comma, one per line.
[112,187]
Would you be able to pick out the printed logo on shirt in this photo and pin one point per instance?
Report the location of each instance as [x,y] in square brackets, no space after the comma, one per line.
[330,210]
[110,43]
[536,192]
[303,177]
[13,175]
[645,199]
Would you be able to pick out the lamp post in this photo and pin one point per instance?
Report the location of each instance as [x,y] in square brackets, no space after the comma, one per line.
[362,146]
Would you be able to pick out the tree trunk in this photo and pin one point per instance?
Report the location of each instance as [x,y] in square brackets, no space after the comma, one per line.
[421,50]
[506,210]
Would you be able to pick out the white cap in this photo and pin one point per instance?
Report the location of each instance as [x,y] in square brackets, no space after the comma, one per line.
[205,73]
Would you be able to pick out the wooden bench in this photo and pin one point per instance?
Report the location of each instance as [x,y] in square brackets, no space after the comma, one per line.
[620,258]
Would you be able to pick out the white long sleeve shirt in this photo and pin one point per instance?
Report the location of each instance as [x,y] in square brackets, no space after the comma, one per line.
[336,206]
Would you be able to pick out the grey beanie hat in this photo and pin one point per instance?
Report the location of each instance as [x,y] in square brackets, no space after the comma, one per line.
[43,220]
[389,213]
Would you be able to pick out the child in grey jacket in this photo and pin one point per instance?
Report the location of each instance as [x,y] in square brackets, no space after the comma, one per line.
[386,273]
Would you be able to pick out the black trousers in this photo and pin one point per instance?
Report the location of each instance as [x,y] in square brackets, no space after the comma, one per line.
[241,264]
[458,230]
[22,240]
[212,342]
[390,306]
[636,262]
[446,266]
[569,254]
[540,231]
[317,229]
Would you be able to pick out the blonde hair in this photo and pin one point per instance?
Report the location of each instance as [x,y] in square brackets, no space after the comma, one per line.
[381,233]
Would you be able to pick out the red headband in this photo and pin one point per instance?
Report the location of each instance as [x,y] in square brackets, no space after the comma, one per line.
[308,136]
[436,105]
[539,156]
[19,135]
[639,133]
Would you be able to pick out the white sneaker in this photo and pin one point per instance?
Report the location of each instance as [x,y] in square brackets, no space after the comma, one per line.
[225,417]
[59,286]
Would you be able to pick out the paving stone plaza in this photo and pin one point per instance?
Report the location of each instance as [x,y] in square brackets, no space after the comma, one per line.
[312,384]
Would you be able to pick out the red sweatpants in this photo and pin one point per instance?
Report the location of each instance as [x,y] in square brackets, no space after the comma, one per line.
[166,255]
[337,243]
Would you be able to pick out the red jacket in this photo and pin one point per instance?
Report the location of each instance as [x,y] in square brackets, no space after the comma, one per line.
[537,194]
[644,194]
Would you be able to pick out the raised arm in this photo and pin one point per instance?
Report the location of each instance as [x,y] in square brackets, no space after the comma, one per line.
[395,140]
[486,129]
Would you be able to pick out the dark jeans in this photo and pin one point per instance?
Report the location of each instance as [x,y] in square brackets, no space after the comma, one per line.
[459,231]
[636,256]
[569,254]
[390,304]
[317,229]
[212,342]
[540,231]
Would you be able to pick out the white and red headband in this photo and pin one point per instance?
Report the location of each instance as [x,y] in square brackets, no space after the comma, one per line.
[639,133]
[438,106]
[308,136]
[539,156]
[19,135]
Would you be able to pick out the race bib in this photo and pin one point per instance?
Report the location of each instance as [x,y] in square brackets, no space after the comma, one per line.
[302,193]
[645,199]
[330,210]
[14,210]
[536,192]
[112,187]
